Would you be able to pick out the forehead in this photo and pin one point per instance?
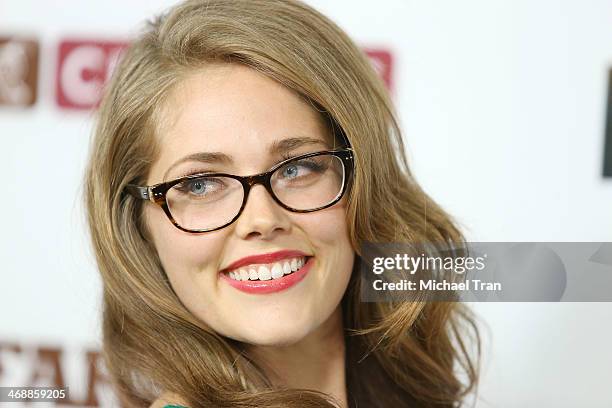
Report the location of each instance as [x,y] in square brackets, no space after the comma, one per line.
[233,109]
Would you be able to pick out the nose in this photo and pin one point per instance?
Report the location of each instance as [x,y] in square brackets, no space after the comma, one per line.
[262,216]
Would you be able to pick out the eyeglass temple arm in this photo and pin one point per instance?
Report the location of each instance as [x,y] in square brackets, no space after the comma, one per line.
[138,192]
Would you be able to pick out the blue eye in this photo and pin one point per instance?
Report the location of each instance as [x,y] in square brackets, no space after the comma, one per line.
[200,187]
[290,171]
[302,168]
[197,187]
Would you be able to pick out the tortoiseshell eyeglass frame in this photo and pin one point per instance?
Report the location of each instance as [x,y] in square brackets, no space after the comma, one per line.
[157,192]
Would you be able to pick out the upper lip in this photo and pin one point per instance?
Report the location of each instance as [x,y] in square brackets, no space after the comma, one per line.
[264,258]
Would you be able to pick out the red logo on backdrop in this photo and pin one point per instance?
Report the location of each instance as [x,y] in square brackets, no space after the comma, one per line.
[83,67]
[383,64]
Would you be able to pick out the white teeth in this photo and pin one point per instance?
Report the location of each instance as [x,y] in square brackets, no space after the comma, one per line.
[277,271]
[264,273]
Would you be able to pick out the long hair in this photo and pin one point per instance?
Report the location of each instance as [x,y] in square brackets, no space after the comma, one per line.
[399,354]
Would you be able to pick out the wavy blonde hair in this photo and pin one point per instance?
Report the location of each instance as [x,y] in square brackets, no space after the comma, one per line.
[399,354]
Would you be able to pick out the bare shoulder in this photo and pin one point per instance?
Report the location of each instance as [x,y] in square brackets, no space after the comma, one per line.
[168,398]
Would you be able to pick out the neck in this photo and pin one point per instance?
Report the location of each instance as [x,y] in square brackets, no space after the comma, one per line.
[316,362]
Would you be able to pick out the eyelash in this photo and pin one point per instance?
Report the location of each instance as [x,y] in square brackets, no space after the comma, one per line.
[193,171]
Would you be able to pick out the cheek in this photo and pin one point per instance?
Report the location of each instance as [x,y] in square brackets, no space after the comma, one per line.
[191,263]
[181,253]
[327,230]
[327,227]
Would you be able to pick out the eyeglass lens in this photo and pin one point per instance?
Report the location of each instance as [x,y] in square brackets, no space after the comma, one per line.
[205,203]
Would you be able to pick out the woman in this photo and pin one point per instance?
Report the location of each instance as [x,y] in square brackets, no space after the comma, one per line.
[224,290]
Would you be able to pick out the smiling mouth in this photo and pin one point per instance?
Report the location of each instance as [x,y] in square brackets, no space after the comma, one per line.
[269,271]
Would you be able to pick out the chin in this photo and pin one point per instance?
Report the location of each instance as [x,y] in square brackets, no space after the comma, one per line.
[275,334]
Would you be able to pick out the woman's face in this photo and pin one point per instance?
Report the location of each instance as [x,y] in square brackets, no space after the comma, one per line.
[234,110]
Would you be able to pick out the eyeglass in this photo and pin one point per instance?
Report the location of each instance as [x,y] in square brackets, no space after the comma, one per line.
[206,202]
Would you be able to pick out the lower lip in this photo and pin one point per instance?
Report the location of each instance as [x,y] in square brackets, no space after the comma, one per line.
[272,285]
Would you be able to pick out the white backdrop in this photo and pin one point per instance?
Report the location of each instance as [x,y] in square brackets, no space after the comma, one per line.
[503,108]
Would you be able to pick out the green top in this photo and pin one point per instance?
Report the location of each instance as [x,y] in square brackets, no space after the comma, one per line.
[174,406]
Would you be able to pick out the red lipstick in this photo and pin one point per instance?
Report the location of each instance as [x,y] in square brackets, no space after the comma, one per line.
[264,258]
[270,285]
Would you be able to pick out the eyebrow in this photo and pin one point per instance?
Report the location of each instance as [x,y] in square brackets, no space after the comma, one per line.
[277,147]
